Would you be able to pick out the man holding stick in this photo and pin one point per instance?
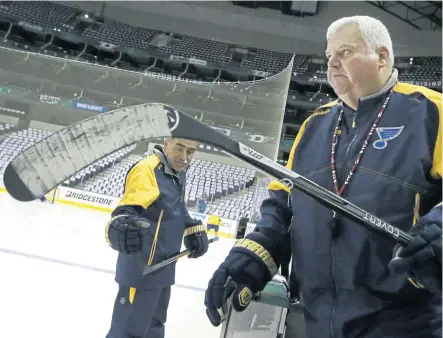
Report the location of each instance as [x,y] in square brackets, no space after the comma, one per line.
[380,147]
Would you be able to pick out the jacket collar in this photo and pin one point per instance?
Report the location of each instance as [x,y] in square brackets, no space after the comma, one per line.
[391,81]
[368,102]
[159,151]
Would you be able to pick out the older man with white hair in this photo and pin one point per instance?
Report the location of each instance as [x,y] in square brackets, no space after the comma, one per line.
[380,147]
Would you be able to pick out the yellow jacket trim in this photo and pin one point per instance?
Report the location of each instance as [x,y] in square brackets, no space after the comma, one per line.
[154,242]
[436,98]
[277,185]
[416,208]
[318,111]
[415,283]
[141,186]
[327,105]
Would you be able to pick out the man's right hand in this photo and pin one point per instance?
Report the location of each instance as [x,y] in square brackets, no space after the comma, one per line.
[125,233]
[246,270]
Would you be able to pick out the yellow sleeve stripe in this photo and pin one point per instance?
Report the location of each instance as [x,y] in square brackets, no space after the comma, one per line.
[141,186]
[276,185]
[436,170]
[318,111]
[154,241]
[435,97]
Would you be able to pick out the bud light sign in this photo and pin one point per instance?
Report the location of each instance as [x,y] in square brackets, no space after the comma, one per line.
[89,106]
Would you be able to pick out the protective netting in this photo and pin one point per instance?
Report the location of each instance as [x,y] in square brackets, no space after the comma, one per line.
[261,192]
[60,92]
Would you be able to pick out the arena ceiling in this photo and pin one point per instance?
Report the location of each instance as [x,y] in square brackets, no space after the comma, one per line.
[423,15]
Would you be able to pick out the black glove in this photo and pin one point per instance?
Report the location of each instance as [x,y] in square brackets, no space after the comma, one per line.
[196,240]
[422,258]
[125,233]
[250,266]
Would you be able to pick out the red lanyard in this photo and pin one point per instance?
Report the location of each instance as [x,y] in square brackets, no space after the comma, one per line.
[339,191]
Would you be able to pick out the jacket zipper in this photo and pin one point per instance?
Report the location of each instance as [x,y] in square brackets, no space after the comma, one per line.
[345,163]
[334,279]
[181,187]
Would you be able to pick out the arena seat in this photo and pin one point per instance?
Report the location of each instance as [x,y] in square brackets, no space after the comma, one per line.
[269,61]
[120,34]
[110,180]
[247,205]
[234,208]
[41,13]
[6,128]
[215,180]
[64,17]
[82,178]
[18,141]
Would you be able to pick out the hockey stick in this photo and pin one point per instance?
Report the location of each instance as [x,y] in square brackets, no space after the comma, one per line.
[151,268]
[61,155]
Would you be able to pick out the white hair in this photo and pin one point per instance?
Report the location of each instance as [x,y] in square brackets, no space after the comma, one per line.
[374,33]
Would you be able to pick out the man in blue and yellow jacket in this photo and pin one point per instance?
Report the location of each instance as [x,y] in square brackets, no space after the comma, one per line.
[154,197]
[380,147]
[214,222]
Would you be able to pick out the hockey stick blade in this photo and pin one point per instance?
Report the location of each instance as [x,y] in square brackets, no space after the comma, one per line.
[49,162]
[151,268]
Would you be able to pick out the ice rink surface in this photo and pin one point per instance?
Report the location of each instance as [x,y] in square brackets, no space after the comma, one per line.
[57,275]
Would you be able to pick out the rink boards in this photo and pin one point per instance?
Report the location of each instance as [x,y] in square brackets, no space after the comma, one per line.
[87,199]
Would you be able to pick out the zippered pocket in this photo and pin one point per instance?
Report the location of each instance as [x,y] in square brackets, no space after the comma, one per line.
[154,242]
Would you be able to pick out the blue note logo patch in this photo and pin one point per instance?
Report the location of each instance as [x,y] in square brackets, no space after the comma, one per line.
[386,134]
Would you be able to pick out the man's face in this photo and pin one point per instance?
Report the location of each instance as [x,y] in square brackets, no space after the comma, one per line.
[351,67]
[180,152]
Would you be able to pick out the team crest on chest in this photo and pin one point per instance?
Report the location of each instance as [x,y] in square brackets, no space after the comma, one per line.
[386,134]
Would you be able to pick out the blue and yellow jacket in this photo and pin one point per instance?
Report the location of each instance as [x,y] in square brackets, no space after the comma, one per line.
[157,193]
[214,220]
[344,278]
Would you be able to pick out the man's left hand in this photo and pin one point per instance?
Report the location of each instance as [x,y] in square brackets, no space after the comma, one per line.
[422,257]
[196,240]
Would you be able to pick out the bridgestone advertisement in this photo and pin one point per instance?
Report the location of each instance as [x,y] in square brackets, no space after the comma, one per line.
[74,196]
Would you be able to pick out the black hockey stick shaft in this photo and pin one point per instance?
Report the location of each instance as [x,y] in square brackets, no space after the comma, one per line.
[151,268]
[322,195]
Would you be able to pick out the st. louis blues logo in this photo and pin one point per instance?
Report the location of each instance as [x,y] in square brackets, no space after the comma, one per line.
[385,135]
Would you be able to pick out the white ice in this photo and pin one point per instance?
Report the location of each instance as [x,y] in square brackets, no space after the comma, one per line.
[57,275]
